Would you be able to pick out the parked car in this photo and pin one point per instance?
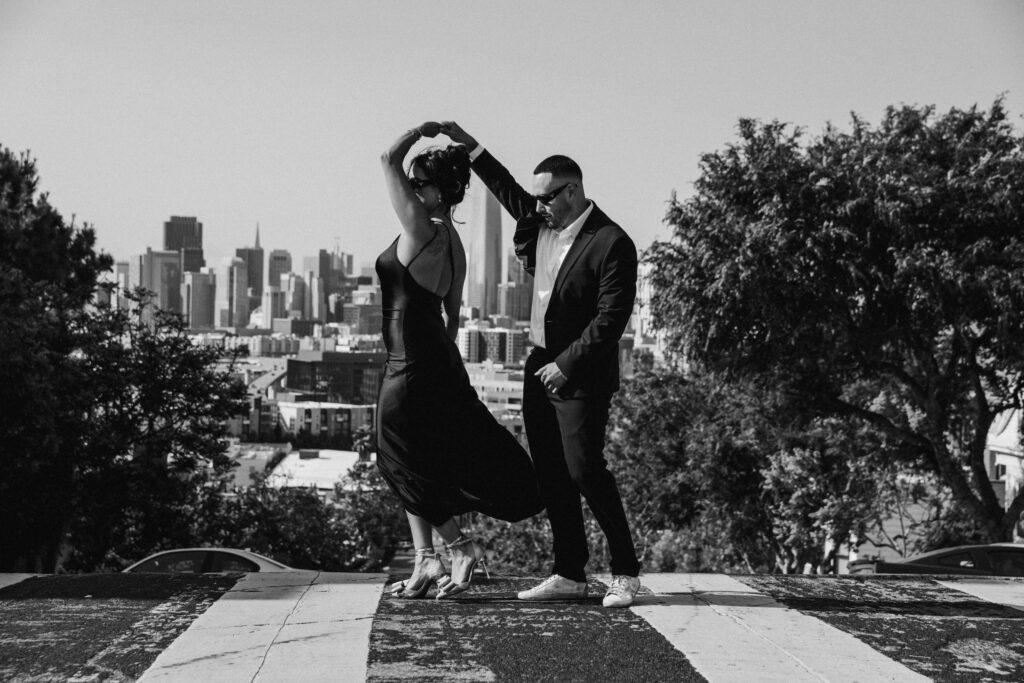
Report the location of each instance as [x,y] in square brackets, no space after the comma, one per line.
[206,560]
[996,559]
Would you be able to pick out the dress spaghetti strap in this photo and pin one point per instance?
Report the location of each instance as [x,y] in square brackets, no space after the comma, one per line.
[429,242]
[451,257]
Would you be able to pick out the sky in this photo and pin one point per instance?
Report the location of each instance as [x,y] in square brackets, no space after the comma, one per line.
[276,113]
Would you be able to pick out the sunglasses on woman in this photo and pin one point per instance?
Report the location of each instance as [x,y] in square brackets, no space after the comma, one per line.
[419,183]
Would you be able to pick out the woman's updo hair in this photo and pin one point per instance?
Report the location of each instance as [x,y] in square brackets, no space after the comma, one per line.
[448,168]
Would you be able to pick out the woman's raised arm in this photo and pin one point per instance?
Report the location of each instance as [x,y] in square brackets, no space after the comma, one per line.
[410,211]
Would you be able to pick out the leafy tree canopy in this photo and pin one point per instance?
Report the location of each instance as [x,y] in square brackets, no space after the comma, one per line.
[877,274]
[728,476]
[48,272]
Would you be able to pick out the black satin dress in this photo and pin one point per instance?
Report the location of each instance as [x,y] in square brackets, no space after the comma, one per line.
[438,446]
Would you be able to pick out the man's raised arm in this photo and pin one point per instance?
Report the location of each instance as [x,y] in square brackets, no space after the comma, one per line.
[517,201]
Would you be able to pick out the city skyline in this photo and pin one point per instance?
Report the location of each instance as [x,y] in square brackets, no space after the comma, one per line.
[230,293]
[259,112]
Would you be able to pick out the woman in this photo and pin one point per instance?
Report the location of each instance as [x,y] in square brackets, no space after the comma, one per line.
[439,448]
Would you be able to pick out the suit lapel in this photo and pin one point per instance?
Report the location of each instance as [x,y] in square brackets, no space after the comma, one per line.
[594,221]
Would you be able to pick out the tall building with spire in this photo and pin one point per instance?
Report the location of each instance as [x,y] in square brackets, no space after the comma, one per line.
[482,237]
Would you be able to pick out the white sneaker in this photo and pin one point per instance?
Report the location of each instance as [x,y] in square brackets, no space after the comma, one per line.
[622,591]
[556,587]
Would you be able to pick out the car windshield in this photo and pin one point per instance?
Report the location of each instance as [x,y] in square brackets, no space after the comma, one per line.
[229,562]
[1007,562]
[188,561]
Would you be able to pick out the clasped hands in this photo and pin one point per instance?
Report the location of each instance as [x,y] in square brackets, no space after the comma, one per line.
[431,129]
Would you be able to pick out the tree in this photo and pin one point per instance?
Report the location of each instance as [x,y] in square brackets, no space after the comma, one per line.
[111,427]
[876,275]
[686,453]
[372,518]
[48,272]
[155,436]
[356,529]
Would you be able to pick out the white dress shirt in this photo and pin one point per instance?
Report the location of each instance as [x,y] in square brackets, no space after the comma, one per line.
[552,246]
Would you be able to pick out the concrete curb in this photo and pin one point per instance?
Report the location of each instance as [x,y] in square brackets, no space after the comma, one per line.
[309,626]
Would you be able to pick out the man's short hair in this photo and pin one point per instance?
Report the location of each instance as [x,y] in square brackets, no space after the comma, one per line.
[561,166]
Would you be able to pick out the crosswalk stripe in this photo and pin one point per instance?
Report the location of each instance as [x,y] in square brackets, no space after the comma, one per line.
[730,632]
[999,591]
[309,626]
[315,627]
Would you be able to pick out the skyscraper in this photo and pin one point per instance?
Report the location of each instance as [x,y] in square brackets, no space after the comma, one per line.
[482,237]
[279,263]
[184,234]
[515,300]
[253,257]
[315,306]
[274,305]
[198,292]
[232,301]
[121,273]
[294,288]
[516,272]
[342,262]
[320,266]
[160,273]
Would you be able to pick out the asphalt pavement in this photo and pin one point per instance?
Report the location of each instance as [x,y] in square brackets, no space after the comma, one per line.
[320,626]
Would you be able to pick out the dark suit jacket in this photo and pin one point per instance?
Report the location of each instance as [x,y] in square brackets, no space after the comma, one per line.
[594,292]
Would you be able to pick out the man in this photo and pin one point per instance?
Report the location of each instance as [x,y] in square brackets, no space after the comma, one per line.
[584,268]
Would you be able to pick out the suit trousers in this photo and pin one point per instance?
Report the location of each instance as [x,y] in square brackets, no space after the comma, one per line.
[566,435]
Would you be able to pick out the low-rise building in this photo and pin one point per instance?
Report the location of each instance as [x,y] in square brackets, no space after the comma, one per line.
[321,420]
[253,459]
[478,341]
[345,377]
[319,469]
[500,389]
[1005,456]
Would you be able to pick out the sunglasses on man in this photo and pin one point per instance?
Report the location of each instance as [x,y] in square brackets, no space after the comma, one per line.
[546,199]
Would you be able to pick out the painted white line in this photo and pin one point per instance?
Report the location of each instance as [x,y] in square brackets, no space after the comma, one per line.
[11,579]
[730,632]
[267,627]
[327,637]
[1002,591]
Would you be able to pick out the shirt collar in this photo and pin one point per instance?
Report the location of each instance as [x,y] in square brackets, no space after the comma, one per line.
[570,232]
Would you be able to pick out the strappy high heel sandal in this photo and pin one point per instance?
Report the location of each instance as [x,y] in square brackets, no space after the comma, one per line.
[472,554]
[428,570]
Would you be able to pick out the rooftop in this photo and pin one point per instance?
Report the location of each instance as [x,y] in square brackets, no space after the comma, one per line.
[320,471]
